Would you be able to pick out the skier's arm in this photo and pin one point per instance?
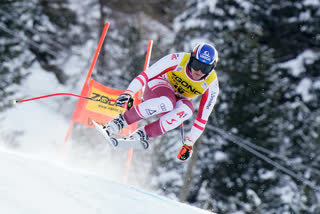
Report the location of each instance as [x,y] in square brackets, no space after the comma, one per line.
[162,66]
[207,103]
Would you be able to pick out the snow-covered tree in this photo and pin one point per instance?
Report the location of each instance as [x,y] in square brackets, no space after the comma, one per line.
[260,100]
[35,32]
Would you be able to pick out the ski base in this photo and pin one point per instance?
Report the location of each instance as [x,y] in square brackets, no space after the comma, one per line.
[121,142]
[127,143]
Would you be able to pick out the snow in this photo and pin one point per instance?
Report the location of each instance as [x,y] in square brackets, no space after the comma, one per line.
[266,174]
[30,185]
[287,195]
[303,88]
[311,2]
[296,65]
[39,115]
[34,181]
[220,156]
[39,178]
[42,81]
[211,4]
[316,84]
[42,122]
[254,197]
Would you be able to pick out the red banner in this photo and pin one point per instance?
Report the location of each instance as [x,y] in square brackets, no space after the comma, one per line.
[102,108]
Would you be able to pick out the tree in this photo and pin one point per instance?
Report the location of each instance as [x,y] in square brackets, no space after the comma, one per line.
[258,101]
[35,32]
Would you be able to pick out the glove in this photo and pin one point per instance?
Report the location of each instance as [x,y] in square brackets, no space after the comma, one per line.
[186,150]
[125,99]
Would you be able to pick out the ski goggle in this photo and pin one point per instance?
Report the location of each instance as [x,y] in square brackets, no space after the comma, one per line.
[198,65]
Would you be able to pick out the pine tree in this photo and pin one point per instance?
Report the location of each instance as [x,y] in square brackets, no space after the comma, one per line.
[35,32]
[258,101]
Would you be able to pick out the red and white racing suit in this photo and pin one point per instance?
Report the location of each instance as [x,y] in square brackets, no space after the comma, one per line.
[169,89]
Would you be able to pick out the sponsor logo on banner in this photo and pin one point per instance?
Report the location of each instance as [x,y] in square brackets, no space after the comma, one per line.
[103,99]
[103,103]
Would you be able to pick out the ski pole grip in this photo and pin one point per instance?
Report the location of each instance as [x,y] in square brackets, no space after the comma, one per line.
[130,103]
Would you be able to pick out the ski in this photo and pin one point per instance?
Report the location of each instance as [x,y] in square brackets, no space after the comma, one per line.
[121,142]
[128,143]
[111,142]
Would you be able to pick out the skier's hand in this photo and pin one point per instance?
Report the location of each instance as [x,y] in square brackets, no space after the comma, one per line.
[185,151]
[125,99]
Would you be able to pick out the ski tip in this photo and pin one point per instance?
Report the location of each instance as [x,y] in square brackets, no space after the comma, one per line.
[94,123]
[14,101]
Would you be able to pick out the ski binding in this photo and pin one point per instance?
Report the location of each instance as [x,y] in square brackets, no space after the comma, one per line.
[121,142]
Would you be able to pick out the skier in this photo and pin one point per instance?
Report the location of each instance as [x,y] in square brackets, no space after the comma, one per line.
[170,84]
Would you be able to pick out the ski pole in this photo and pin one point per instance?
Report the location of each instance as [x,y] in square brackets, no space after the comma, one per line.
[182,133]
[128,106]
[57,94]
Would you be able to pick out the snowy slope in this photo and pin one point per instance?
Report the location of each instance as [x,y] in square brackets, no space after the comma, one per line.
[30,186]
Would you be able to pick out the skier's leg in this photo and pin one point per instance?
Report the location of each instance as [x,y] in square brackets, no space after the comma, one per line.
[171,120]
[183,111]
[159,98]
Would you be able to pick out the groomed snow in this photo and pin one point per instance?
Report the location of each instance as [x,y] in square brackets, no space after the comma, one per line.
[30,186]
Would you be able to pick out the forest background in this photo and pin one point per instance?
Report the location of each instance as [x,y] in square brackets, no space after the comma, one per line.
[260,149]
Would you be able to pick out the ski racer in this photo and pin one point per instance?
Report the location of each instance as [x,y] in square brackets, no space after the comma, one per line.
[170,84]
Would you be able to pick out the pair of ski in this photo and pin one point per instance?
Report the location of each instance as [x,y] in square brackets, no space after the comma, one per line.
[120,142]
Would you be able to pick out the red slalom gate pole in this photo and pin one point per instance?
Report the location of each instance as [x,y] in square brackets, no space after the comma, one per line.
[85,85]
[130,153]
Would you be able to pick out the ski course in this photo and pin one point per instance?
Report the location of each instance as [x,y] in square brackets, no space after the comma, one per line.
[30,186]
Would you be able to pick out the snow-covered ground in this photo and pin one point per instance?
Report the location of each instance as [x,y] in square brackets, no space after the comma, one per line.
[38,177]
[30,186]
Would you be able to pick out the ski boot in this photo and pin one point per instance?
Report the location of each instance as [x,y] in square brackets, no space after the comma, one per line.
[140,135]
[115,125]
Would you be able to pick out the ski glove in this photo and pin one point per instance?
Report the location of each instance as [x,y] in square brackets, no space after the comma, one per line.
[125,99]
[186,150]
